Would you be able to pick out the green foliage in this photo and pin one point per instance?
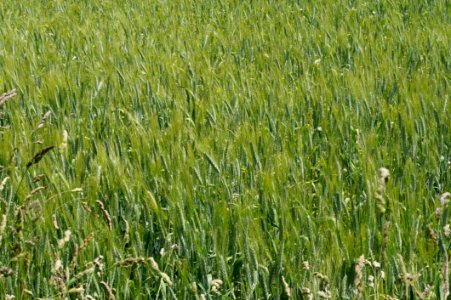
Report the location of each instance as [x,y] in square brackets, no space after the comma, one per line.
[224,149]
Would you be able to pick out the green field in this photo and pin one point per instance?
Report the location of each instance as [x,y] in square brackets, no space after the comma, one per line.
[225,149]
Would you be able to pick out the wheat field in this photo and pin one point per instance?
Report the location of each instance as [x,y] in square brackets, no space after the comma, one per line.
[225,149]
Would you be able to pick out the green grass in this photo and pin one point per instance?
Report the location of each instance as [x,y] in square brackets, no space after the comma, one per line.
[242,137]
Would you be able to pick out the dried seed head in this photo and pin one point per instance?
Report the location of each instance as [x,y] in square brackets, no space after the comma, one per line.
[67,235]
[127,232]
[63,144]
[39,155]
[358,282]
[38,178]
[108,290]
[46,115]
[426,292]
[166,278]
[5,271]
[76,250]
[34,191]
[444,198]
[3,183]
[193,286]
[86,241]
[132,261]
[438,212]
[215,286]
[307,293]
[324,294]
[39,188]
[384,174]
[77,290]
[58,266]
[286,287]
[3,224]
[379,195]
[6,96]
[86,206]
[87,271]
[432,233]
[216,282]
[55,222]
[65,239]
[98,262]
[321,276]
[447,230]
[43,120]
[106,214]
[154,264]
